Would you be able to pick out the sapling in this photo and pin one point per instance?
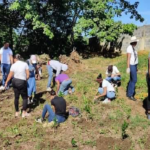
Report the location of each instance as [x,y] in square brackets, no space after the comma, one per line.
[124,128]
[73,142]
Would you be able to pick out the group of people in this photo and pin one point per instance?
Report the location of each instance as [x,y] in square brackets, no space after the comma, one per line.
[23,77]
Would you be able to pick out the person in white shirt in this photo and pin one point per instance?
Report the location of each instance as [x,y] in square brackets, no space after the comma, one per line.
[113,74]
[132,62]
[54,65]
[20,71]
[105,89]
[6,60]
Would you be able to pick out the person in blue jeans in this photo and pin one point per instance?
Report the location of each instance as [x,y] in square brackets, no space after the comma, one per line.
[54,66]
[105,90]
[6,60]
[56,111]
[132,62]
[113,74]
[64,84]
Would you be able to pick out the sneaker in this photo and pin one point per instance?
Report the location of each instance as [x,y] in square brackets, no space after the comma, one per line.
[132,98]
[25,115]
[48,89]
[50,124]
[29,101]
[106,101]
[2,88]
[39,120]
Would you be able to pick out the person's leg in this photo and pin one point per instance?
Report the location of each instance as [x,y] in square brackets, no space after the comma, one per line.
[60,119]
[109,79]
[47,108]
[3,74]
[100,90]
[110,95]
[29,87]
[7,70]
[50,73]
[24,95]
[133,80]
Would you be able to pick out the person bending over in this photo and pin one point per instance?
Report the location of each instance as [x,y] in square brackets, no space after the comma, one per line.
[64,84]
[113,74]
[52,66]
[105,89]
[57,109]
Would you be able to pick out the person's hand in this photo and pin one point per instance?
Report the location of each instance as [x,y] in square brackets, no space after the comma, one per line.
[112,75]
[39,78]
[128,70]
[5,85]
[96,97]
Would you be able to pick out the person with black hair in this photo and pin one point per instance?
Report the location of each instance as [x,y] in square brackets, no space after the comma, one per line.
[105,89]
[113,74]
[20,71]
[6,60]
[132,62]
[57,110]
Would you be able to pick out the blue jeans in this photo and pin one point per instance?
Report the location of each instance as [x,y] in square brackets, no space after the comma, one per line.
[65,85]
[117,78]
[31,87]
[50,73]
[52,115]
[5,68]
[109,94]
[133,80]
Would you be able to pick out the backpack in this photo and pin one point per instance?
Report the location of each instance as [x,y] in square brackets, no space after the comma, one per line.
[74,111]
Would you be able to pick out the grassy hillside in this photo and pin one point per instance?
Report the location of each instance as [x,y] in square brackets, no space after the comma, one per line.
[100,127]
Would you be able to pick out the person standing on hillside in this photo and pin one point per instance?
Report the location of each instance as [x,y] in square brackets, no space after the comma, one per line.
[20,71]
[6,60]
[54,65]
[132,62]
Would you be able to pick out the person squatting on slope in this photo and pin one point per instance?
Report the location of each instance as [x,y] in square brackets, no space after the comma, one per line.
[54,65]
[20,71]
[132,62]
[6,60]
[113,75]
[32,81]
[64,84]
[56,111]
[105,90]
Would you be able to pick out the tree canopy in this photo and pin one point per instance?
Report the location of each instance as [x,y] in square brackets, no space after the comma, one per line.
[54,26]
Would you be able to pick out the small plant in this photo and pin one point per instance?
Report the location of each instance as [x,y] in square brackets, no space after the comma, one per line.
[124,128]
[61,94]
[73,142]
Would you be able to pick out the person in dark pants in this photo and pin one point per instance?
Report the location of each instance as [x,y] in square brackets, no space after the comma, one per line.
[57,110]
[20,71]
[148,84]
[132,62]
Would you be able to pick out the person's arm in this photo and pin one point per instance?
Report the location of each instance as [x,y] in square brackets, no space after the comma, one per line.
[103,94]
[11,74]
[27,73]
[58,70]
[58,85]
[11,59]
[128,62]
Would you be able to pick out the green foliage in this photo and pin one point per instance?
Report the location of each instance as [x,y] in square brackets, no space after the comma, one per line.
[124,128]
[73,142]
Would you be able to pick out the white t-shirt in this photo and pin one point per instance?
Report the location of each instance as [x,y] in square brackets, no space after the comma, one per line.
[107,84]
[56,65]
[134,55]
[5,55]
[114,71]
[19,68]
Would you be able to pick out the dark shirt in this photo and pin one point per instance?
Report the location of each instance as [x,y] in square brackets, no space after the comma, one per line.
[60,106]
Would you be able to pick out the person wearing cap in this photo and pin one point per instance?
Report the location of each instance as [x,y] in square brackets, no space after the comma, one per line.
[54,66]
[64,84]
[6,60]
[19,71]
[32,81]
[105,90]
[113,74]
[132,62]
